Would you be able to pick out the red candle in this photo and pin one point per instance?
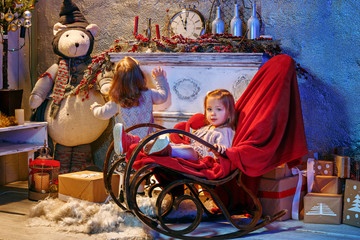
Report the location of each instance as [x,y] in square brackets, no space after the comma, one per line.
[157,31]
[136,25]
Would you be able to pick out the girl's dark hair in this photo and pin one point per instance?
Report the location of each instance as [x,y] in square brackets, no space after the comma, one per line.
[228,100]
[127,83]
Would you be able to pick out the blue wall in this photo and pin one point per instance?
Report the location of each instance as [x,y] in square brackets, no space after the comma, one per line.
[323,36]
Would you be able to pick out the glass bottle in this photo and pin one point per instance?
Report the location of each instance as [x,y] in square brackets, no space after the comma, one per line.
[253,25]
[218,25]
[148,30]
[235,24]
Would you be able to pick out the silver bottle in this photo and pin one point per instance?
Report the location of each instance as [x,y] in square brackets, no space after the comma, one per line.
[218,25]
[148,30]
[235,24]
[253,25]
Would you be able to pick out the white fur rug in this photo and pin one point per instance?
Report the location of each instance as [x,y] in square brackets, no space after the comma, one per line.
[80,216]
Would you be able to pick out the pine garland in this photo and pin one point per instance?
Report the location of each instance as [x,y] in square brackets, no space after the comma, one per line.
[13,13]
[207,43]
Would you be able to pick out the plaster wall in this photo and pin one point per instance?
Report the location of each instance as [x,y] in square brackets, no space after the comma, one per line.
[323,36]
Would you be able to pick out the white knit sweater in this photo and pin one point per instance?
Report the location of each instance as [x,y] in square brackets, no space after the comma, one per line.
[139,114]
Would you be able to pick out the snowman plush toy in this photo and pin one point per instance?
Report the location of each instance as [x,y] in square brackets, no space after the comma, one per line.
[66,96]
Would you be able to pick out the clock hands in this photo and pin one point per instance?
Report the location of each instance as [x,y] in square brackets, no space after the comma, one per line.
[186,17]
[184,24]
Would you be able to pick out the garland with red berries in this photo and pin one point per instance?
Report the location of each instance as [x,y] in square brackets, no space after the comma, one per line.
[207,43]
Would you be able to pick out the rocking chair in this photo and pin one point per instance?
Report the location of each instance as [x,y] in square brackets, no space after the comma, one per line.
[269,133]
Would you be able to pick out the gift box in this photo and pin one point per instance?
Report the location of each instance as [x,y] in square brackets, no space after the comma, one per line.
[278,194]
[326,184]
[322,208]
[279,172]
[85,185]
[323,167]
[342,166]
[351,213]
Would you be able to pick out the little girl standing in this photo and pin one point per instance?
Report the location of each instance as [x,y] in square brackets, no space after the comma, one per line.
[131,101]
[219,108]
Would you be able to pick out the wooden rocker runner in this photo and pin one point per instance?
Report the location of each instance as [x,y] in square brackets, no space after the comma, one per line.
[269,132]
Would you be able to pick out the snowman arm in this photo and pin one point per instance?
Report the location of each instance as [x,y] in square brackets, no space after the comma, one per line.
[43,87]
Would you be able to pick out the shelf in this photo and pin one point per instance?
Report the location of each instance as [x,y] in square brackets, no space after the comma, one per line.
[23,138]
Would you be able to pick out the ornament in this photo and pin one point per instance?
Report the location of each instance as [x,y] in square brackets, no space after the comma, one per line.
[18,1]
[27,23]
[13,27]
[19,22]
[9,16]
[27,14]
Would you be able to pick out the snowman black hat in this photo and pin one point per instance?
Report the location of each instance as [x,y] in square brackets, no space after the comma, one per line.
[71,16]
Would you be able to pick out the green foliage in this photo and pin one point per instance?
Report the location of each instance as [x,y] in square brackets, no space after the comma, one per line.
[12,12]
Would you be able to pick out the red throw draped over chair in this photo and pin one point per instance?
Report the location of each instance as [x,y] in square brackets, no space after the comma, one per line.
[269,132]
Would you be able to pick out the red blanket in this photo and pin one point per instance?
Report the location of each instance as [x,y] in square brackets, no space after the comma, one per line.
[270,128]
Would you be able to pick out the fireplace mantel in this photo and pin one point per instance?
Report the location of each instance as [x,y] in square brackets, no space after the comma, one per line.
[192,75]
[194,59]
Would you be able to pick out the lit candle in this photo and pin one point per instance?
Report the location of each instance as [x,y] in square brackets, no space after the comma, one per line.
[19,116]
[157,31]
[136,25]
[41,182]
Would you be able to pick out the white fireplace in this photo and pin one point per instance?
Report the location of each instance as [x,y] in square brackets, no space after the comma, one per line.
[192,75]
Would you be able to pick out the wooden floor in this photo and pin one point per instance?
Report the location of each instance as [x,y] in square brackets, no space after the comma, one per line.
[15,205]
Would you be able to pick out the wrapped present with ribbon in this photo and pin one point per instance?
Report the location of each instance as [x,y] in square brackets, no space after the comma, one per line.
[351,210]
[342,166]
[278,194]
[278,172]
[85,185]
[322,208]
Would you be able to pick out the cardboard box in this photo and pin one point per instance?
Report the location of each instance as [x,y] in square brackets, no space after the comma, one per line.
[342,166]
[276,195]
[326,184]
[323,167]
[279,172]
[351,213]
[86,185]
[322,208]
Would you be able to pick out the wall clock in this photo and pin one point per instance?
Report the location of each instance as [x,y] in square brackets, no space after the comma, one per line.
[190,23]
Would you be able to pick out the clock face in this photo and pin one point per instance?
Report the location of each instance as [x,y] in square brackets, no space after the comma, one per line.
[189,23]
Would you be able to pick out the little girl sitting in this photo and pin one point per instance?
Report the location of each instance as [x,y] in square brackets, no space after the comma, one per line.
[221,121]
[131,101]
